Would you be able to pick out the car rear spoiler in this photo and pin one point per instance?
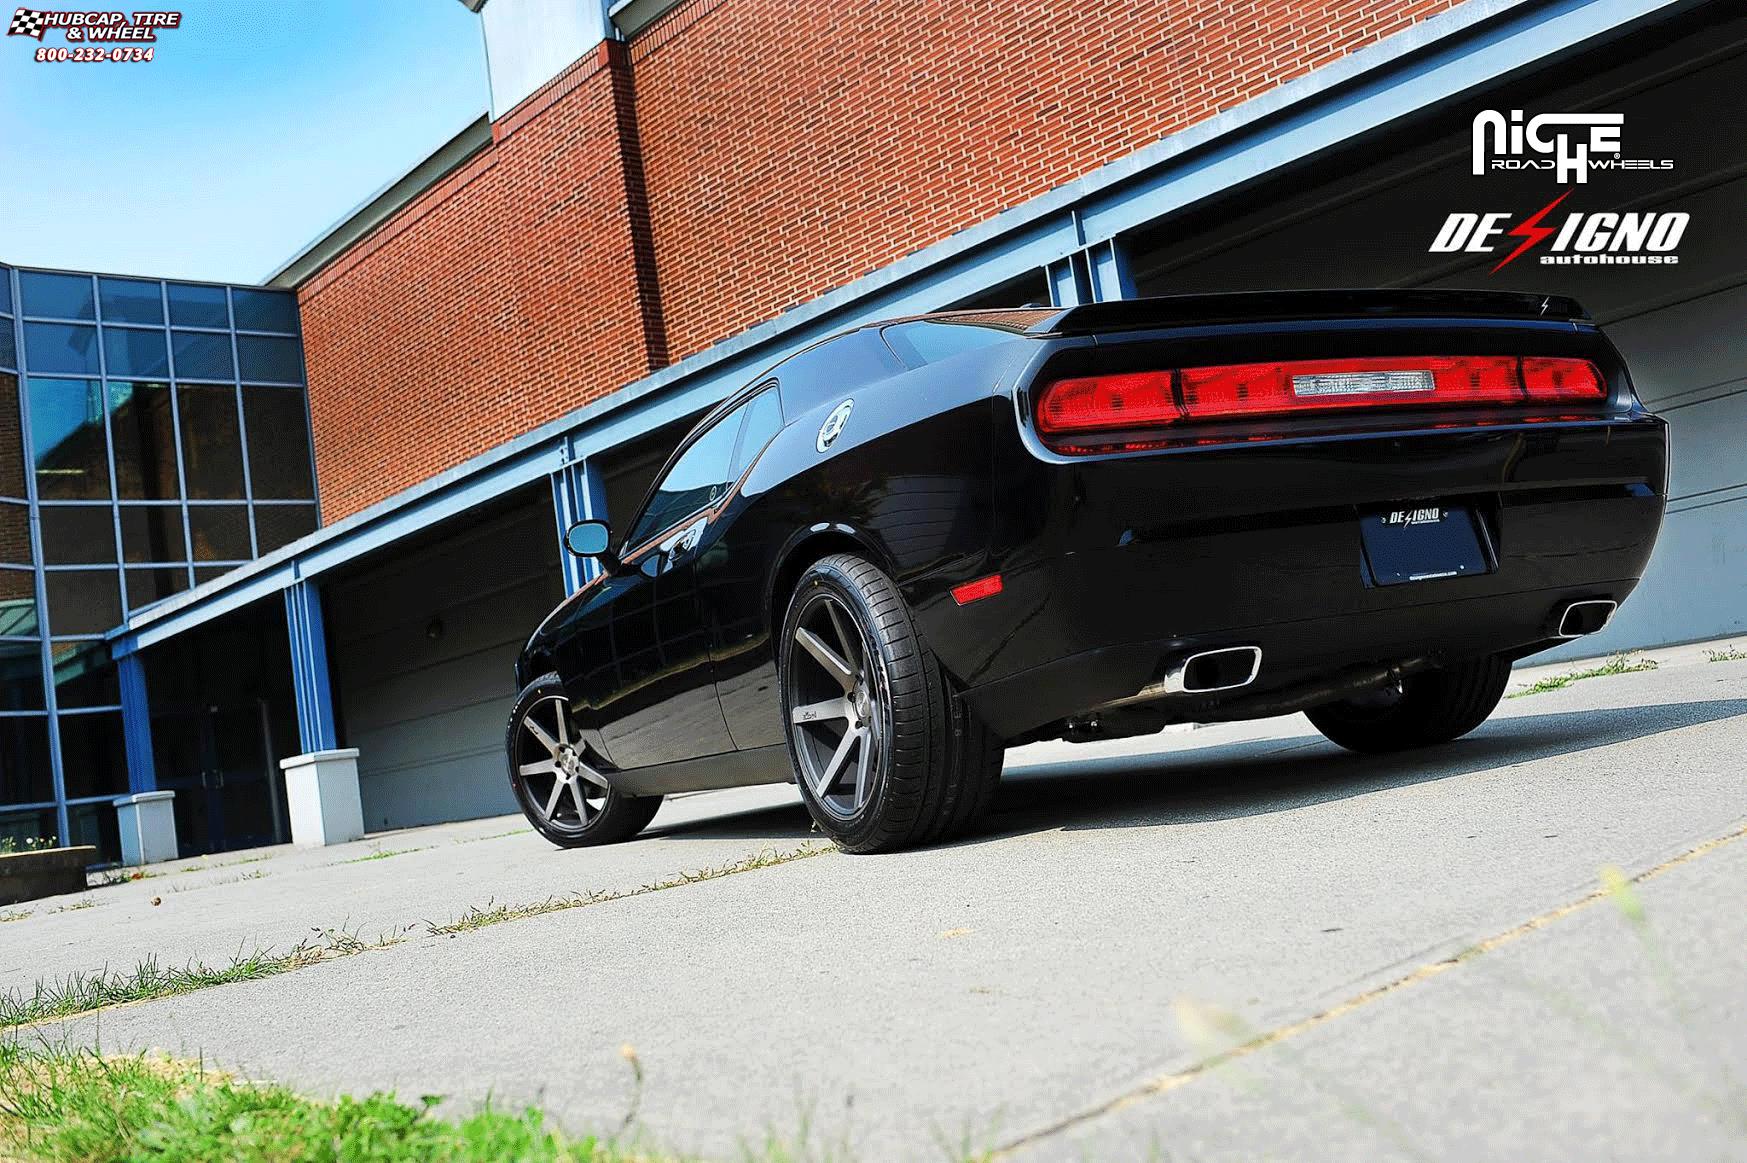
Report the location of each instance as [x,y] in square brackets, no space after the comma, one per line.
[1274,306]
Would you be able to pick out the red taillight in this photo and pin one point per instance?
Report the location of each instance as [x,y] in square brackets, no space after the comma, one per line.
[983,587]
[1162,399]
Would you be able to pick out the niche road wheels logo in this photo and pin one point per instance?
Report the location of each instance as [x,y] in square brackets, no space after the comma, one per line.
[1567,145]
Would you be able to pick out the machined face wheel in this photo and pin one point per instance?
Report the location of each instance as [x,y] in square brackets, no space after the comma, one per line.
[835,696]
[557,780]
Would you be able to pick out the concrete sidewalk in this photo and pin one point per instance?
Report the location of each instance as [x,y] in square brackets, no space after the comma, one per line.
[1055,982]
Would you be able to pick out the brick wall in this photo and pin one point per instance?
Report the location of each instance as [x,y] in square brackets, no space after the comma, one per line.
[790,148]
[499,299]
[738,158]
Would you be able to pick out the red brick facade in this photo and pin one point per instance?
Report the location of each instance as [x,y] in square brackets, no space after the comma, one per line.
[738,158]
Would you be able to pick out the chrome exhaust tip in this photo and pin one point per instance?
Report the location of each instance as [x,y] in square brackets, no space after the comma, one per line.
[1580,618]
[1225,669]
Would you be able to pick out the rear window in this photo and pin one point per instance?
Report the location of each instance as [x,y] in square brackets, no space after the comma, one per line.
[927,341]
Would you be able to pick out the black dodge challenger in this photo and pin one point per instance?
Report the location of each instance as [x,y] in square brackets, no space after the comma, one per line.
[921,541]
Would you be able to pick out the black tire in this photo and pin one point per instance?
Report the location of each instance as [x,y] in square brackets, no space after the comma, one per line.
[598,815]
[932,766]
[1434,707]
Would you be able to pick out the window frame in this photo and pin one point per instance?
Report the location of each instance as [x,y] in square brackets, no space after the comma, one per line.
[740,407]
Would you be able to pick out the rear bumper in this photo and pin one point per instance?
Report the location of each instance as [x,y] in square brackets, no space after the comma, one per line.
[1127,579]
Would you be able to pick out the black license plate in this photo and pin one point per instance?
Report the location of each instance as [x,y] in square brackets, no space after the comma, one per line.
[1423,543]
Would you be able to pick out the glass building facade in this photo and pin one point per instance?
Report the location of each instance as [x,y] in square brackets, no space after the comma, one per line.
[152,436]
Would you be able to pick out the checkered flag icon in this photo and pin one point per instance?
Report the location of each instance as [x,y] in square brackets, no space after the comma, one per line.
[27,22]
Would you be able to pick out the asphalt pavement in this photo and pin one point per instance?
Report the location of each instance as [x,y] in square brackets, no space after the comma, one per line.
[1232,942]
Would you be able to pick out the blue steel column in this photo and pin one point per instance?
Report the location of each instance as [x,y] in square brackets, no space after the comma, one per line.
[1068,282]
[578,494]
[136,722]
[1111,277]
[309,668]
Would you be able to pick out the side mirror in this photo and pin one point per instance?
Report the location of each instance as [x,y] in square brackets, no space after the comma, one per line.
[587,538]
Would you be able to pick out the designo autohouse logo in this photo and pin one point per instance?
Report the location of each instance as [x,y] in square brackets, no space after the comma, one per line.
[1569,146]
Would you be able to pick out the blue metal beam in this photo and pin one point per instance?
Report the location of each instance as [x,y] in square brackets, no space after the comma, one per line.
[309,668]
[136,724]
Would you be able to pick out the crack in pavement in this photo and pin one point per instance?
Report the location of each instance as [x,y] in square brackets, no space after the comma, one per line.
[1164,1083]
[16,1004]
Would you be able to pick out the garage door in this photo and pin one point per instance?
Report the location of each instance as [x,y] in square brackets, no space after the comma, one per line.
[423,649]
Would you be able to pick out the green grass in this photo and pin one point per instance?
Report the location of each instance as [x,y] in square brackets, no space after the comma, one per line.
[1618,664]
[1728,654]
[66,1104]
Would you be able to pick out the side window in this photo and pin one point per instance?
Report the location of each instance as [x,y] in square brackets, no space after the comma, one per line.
[764,418]
[697,479]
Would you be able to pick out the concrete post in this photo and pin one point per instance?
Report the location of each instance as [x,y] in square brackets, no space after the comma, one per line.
[321,790]
[148,827]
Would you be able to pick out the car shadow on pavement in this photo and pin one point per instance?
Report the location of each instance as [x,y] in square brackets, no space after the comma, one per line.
[1181,782]
[1255,777]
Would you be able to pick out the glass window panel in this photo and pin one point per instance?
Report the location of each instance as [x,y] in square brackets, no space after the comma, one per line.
[764,416]
[205,573]
[195,306]
[130,301]
[11,439]
[6,289]
[56,296]
[8,347]
[97,825]
[24,766]
[277,525]
[61,347]
[82,601]
[278,429]
[66,435]
[77,534]
[267,357]
[93,756]
[698,478]
[21,676]
[84,675]
[15,533]
[128,351]
[202,356]
[18,602]
[143,428]
[219,532]
[28,828]
[151,533]
[145,586]
[212,451]
[264,310]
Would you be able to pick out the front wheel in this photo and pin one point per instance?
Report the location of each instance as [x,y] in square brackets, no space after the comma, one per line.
[1434,707]
[885,754]
[560,790]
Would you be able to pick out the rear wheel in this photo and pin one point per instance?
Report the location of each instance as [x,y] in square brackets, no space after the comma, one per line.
[885,754]
[1434,707]
[557,781]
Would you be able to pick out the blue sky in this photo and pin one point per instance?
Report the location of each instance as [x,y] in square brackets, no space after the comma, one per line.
[258,125]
